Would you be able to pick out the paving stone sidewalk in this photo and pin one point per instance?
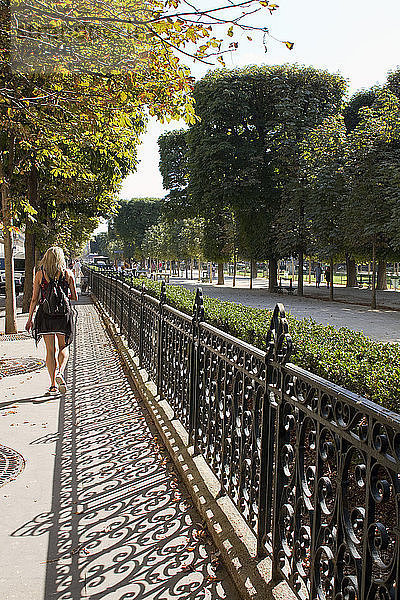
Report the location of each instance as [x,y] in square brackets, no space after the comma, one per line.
[118,524]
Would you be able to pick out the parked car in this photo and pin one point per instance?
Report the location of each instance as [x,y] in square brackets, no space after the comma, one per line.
[19,279]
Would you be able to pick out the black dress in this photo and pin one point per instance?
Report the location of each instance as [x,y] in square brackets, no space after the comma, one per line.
[45,324]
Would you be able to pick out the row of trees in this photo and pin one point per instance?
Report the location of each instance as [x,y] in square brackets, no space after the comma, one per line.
[76,88]
[278,165]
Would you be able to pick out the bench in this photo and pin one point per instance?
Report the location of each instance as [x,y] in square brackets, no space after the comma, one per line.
[162,277]
[281,289]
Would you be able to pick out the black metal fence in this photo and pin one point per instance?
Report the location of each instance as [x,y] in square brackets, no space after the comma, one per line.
[313,469]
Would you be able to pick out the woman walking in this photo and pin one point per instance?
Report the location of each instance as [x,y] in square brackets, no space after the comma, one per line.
[53,289]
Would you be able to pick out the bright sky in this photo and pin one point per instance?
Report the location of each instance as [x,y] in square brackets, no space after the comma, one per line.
[358,38]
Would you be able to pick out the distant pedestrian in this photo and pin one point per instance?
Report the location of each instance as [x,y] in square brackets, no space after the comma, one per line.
[76,268]
[328,276]
[318,273]
[53,290]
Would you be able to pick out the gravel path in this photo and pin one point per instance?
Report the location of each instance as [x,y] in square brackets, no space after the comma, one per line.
[381,324]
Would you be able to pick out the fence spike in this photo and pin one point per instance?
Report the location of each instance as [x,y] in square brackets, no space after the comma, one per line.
[198,309]
[279,340]
[163,293]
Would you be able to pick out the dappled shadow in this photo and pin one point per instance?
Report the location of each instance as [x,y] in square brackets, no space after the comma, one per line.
[32,400]
[121,526]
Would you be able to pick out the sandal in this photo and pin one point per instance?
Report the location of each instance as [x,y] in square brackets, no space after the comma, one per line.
[52,390]
[62,386]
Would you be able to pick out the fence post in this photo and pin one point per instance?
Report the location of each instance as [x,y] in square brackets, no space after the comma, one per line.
[107,280]
[194,366]
[130,315]
[141,324]
[115,298]
[160,339]
[121,316]
[279,348]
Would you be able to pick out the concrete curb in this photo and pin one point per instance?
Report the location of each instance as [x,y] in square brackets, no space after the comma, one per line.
[233,539]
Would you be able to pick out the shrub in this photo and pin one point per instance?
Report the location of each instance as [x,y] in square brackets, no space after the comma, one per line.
[342,356]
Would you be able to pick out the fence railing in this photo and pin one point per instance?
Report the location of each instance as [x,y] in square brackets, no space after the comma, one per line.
[312,468]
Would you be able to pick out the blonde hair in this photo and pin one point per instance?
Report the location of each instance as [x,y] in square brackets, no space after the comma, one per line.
[53,262]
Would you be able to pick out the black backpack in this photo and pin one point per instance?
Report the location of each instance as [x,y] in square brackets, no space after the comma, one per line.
[55,302]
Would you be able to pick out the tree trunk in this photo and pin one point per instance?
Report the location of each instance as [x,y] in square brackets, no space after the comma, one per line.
[300,282]
[187,269]
[373,295]
[200,269]
[210,272]
[381,283]
[309,270]
[251,274]
[191,267]
[37,257]
[221,278]
[351,269]
[234,268]
[272,274]
[30,240]
[29,267]
[331,282]
[254,269]
[11,305]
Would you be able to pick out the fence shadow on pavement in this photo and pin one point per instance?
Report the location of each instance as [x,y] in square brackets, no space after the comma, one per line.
[120,525]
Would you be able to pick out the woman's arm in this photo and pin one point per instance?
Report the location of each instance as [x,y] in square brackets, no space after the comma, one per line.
[35,299]
[72,286]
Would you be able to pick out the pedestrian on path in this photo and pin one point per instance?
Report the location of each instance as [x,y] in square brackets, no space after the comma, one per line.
[318,273]
[53,289]
[77,271]
[328,276]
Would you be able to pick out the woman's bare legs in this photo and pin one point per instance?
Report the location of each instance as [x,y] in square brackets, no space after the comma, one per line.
[63,353]
[49,340]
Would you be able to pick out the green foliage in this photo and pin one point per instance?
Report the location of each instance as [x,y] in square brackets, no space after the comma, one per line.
[133,219]
[344,357]
[323,156]
[174,171]
[304,97]
[351,111]
[171,240]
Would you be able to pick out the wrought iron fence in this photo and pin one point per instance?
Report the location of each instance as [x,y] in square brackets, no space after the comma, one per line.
[313,468]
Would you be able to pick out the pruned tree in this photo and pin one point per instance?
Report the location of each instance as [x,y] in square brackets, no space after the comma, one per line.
[133,219]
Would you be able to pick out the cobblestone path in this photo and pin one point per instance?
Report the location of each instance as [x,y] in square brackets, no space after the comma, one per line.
[121,525]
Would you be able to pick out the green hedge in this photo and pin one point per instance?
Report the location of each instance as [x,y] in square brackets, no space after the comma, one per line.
[344,357]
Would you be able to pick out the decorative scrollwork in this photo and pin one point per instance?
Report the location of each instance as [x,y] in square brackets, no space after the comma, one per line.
[302,459]
[198,309]
[279,341]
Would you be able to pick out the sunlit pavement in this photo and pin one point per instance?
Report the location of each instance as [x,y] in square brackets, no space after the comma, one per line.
[98,511]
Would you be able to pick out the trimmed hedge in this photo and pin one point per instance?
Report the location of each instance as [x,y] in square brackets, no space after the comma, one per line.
[342,356]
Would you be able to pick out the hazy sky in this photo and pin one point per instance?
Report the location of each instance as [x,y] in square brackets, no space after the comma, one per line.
[358,38]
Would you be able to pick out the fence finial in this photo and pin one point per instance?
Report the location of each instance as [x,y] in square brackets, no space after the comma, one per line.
[198,309]
[163,293]
[279,340]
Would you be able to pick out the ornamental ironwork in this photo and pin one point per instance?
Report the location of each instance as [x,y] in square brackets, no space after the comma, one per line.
[19,366]
[313,468]
[11,464]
